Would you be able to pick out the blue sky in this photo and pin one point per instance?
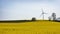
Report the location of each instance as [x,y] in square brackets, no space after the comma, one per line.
[26,9]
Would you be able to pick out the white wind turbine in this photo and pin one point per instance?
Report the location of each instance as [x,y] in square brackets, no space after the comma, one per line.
[43,14]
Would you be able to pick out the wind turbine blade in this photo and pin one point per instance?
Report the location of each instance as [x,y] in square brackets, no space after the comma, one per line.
[45,13]
[42,10]
[41,15]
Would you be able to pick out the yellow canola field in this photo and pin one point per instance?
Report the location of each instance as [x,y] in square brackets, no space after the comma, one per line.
[35,27]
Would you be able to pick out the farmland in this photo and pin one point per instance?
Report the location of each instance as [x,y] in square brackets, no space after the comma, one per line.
[34,27]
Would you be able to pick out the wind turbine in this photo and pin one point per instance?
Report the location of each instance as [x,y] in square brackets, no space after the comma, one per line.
[42,14]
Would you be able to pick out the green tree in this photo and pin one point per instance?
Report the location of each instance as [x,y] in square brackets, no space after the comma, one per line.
[33,19]
[54,16]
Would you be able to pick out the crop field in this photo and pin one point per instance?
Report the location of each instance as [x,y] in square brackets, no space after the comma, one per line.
[34,27]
